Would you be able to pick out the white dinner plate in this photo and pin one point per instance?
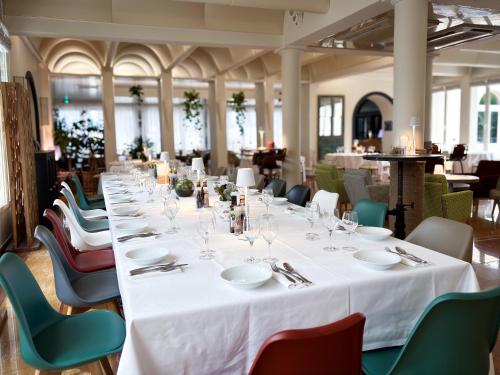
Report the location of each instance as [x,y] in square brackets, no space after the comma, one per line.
[126,210]
[246,276]
[120,199]
[278,201]
[132,226]
[373,233]
[146,256]
[377,259]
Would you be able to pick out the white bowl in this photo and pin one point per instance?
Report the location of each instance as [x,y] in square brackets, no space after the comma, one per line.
[278,201]
[146,256]
[373,233]
[126,210]
[377,259]
[132,226]
[120,199]
[246,276]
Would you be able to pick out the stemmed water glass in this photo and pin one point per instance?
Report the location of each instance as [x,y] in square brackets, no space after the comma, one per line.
[269,231]
[267,198]
[171,207]
[330,220]
[312,215]
[350,223]
[150,185]
[206,227]
[251,230]
[165,192]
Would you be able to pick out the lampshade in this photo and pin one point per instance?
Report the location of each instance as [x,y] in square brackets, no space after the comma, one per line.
[164,156]
[414,121]
[197,164]
[245,177]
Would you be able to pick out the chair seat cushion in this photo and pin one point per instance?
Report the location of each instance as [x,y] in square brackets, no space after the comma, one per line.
[380,361]
[81,338]
[95,260]
[97,287]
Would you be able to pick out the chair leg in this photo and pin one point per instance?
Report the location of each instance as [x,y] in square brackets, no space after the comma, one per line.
[63,308]
[106,366]
[461,167]
[493,210]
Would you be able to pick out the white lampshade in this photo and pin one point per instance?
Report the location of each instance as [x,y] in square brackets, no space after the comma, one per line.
[245,177]
[414,121]
[197,164]
[164,156]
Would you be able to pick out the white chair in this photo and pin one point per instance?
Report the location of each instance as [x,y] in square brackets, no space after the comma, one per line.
[326,200]
[87,214]
[81,239]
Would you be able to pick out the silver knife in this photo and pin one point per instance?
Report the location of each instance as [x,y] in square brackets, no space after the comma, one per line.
[139,235]
[404,256]
[157,269]
[404,252]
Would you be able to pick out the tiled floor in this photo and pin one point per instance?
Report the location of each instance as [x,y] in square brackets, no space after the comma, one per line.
[486,262]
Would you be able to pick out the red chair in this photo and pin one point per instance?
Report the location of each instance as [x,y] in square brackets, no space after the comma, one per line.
[331,349]
[81,261]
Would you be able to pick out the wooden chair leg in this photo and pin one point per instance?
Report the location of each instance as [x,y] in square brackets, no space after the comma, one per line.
[116,304]
[106,366]
[63,308]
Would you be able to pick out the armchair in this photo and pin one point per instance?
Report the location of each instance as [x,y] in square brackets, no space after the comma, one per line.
[488,172]
[328,178]
[359,185]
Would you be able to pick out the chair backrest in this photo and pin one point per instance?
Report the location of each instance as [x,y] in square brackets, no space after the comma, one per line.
[76,231]
[299,195]
[457,331]
[65,185]
[445,236]
[80,192]
[488,168]
[32,309]
[61,236]
[355,186]
[438,179]
[360,172]
[278,186]
[326,200]
[459,152]
[74,207]
[433,205]
[331,349]
[370,213]
[326,175]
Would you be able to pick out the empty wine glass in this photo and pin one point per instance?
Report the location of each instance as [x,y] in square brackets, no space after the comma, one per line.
[150,185]
[251,229]
[330,219]
[267,197]
[206,227]
[269,231]
[165,192]
[350,223]
[221,210]
[312,215]
[171,207]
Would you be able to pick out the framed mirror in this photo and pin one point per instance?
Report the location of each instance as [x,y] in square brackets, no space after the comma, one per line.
[330,124]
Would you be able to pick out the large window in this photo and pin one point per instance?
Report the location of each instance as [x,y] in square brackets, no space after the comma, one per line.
[485,106]
[189,136]
[236,139]
[445,128]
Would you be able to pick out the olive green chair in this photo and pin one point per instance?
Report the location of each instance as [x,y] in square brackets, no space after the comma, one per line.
[328,178]
[454,335]
[439,202]
[86,203]
[370,213]
[50,341]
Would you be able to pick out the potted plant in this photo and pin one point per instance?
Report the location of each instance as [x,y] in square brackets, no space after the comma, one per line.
[239,108]
[192,108]
[137,148]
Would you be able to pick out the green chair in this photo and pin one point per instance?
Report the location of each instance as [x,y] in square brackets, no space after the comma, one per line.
[439,202]
[50,341]
[86,203]
[328,178]
[95,225]
[370,213]
[455,335]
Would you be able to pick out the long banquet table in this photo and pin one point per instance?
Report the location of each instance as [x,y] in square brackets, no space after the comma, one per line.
[194,323]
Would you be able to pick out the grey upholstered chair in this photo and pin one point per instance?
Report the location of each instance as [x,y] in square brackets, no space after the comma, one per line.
[446,236]
[278,186]
[74,288]
[359,185]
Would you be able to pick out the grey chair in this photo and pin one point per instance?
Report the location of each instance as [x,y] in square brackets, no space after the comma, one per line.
[74,288]
[278,186]
[446,236]
[359,185]
[299,195]
[97,225]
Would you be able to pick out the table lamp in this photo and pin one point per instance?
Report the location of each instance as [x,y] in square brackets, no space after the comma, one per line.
[163,169]
[414,123]
[198,166]
[245,178]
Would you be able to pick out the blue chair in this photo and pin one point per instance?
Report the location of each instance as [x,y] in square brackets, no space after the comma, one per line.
[277,186]
[50,341]
[87,203]
[96,225]
[75,288]
[370,213]
[455,335]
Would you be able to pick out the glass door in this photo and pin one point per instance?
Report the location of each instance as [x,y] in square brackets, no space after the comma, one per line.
[330,124]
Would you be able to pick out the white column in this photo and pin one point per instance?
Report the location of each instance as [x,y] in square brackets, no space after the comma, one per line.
[290,75]
[269,102]
[108,110]
[465,108]
[217,115]
[410,42]
[167,113]
[427,120]
[260,110]
[45,94]
[304,121]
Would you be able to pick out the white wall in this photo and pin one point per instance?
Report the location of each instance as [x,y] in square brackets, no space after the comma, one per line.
[353,88]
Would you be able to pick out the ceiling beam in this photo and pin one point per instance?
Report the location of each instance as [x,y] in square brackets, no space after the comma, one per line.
[313,6]
[32,48]
[183,55]
[239,63]
[111,49]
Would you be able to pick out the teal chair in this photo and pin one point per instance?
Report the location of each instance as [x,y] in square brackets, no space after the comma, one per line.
[86,203]
[370,213]
[455,335]
[96,225]
[51,341]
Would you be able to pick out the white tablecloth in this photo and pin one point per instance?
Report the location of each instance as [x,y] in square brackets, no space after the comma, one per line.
[192,322]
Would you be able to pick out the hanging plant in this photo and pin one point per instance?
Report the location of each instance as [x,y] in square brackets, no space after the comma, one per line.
[137,93]
[192,108]
[240,109]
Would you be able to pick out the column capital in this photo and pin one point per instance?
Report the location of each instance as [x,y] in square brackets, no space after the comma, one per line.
[290,48]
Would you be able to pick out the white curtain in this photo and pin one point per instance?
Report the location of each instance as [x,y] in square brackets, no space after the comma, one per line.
[73,112]
[278,127]
[235,140]
[186,136]
[125,126]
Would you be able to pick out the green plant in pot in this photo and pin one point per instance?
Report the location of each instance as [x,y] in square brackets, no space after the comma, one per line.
[224,191]
[184,187]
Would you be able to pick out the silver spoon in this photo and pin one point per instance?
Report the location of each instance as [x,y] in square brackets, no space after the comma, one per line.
[290,269]
[277,270]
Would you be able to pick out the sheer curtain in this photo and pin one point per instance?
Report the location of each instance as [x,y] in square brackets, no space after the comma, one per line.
[278,125]
[235,140]
[186,136]
[73,112]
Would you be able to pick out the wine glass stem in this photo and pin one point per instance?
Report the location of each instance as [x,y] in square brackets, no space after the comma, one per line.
[330,232]
[269,249]
[206,244]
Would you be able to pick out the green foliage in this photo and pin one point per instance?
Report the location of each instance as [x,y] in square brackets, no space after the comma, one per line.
[225,191]
[136,148]
[192,108]
[137,92]
[239,108]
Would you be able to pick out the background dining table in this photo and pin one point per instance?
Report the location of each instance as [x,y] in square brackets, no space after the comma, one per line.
[193,322]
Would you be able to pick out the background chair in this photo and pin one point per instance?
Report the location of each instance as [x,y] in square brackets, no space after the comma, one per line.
[328,178]
[445,340]
[331,349]
[299,195]
[495,195]
[326,200]
[86,202]
[445,236]
[87,214]
[51,341]
[371,213]
[81,261]
[488,172]
[459,154]
[74,288]
[278,187]
[359,185]
[96,225]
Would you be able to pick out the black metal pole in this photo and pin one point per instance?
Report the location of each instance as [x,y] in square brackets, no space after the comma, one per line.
[400,207]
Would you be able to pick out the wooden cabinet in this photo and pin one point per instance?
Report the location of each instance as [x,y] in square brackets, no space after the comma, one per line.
[46,180]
